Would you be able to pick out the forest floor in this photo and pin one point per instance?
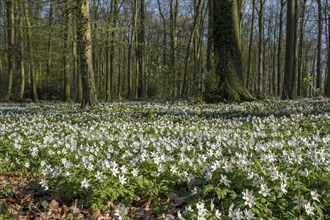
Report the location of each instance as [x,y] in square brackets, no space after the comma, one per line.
[148,160]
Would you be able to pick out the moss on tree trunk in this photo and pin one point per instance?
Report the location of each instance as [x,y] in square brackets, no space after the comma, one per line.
[227,51]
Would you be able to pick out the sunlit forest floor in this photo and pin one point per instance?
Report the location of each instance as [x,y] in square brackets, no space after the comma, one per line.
[165,160]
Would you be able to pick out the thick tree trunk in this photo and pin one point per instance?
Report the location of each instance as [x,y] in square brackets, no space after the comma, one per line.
[209,49]
[84,38]
[288,89]
[10,10]
[228,51]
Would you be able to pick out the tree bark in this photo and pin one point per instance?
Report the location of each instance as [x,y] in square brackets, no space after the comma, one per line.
[84,47]
[190,42]
[21,52]
[327,84]
[248,74]
[66,52]
[279,50]
[301,50]
[173,20]
[141,52]
[209,49]
[288,89]
[10,10]
[260,48]
[319,47]
[32,74]
[228,51]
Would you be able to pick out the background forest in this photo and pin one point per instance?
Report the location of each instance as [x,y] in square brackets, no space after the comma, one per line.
[158,49]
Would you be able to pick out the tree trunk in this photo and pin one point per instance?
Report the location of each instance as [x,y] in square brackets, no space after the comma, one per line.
[301,50]
[21,51]
[84,47]
[248,74]
[209,49]
[141,51]
[319,47]
[279,50]
[66,61]
[10,10]
[288,89]
[190,43]
[327,84]
[228,55]
[173,20]
[260,48]
[164,32]
[32,74]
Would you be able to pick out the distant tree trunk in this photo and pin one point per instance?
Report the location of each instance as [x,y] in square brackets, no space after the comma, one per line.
[33,78]
[248,74]
[130,52]
[66,60]
[164,33]
[141,51]
[84,46]
[21,51]
[173,20]
[260,48]
[279,50]
[110,50]
[228,55]
[197,17]
[209,49]
[327,84]
[76,71]
[301,49]
[10,10]
[49,43]
[288,89]
[319,47]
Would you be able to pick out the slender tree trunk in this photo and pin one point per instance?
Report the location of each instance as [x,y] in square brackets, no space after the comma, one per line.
[301,49]
[319,47]
[248,74]
[130,52]
[279,51]
[66,60]
[10,10]
[327,84]
[290,51]
[21,51]
[32,74]
[190,43]
[260,48]
[173,20]
[84,46]
[141,51]
[49,41]
[164,32]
